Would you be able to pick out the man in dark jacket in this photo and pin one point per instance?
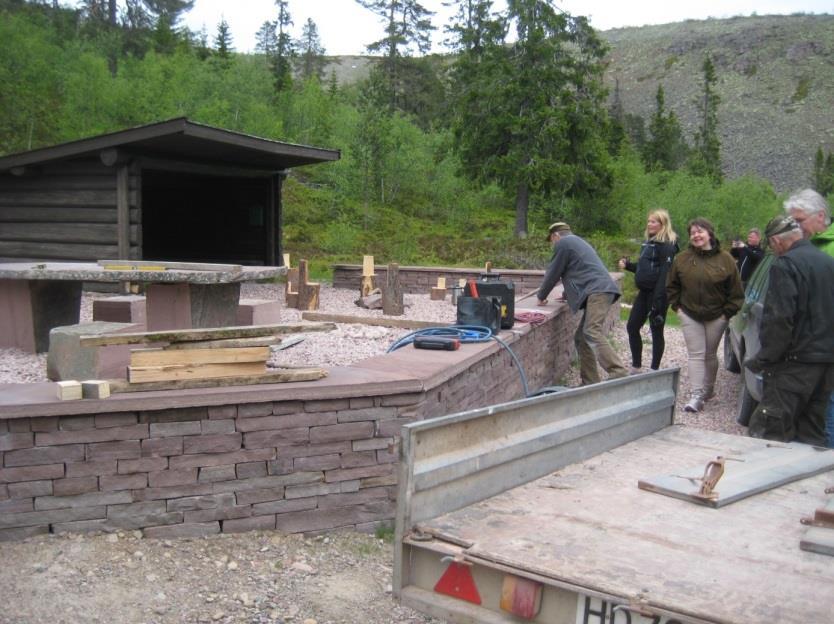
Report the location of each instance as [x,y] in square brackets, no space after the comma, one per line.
[748,256]
[587,286]
[797,354]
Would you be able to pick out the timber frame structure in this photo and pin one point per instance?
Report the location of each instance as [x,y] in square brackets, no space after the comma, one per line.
[173,190]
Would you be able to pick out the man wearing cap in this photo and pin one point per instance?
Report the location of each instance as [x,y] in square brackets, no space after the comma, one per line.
[813,214]
[588,286]
[796,358]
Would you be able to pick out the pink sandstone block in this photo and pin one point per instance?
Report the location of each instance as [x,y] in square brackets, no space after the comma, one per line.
[121,309]
[258,312]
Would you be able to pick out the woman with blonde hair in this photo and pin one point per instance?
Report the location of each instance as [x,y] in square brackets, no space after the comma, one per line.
[650,270]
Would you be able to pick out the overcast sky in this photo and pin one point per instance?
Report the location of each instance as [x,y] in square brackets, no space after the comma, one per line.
[346,28]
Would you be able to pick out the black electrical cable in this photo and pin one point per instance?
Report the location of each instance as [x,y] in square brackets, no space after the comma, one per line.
[473,333]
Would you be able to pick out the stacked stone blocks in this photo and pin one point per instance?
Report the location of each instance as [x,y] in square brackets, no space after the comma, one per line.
[290,465]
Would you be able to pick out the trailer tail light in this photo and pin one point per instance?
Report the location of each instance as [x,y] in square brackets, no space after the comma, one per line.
[457,582]
[521,597]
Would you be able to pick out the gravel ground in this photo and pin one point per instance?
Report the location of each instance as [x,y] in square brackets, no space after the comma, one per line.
[256,577]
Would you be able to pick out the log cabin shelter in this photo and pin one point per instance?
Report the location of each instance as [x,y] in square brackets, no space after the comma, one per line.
[174,190]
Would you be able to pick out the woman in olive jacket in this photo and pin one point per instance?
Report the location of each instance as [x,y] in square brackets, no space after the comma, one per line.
[656,255]
[704,288]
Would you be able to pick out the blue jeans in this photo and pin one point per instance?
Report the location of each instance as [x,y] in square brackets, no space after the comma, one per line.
[829,422]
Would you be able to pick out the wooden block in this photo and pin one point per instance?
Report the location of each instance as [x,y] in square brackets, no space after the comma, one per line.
[462,282]
[367,266]
[95,389]
[281,375]
[166,357]
[441,282]
[173,372]
[488,267]
[287,260]
[437,294]
[308,292]
[367,285]
[68,390]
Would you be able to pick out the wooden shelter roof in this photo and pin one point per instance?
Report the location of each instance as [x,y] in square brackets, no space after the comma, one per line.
[181,139]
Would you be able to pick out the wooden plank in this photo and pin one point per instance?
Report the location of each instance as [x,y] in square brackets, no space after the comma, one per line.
[756,472]
[164,357]
[370,320]
[174,372]
[603,534]
[185,266]
[266,341]
[216,333]
[284,375]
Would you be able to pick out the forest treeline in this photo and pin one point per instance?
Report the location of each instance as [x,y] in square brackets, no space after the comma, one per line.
[454,159]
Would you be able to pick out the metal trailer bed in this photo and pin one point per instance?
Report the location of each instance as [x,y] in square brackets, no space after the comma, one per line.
[599,549]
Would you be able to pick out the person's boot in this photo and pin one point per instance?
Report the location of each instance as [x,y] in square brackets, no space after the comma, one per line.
[696,401]
[708,393]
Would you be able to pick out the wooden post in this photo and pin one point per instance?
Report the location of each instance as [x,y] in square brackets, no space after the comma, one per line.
[291,287]
[392,294]
[438,293]
[308,292]
[488,267]
[368,275]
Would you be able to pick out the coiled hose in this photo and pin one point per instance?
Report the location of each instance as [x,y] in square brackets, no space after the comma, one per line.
[472,334]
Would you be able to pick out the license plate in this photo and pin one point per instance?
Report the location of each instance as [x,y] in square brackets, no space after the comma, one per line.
[597,611]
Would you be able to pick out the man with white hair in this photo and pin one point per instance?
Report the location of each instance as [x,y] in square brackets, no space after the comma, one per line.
[796,358]
[813,214]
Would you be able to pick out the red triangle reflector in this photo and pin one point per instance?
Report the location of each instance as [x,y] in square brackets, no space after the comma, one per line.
[457,582]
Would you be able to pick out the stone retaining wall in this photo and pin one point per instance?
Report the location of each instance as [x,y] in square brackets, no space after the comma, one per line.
[302,457]
[415,279]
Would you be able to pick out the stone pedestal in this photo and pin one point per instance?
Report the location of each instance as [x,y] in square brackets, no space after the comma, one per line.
[191,306]
[68,360]
[29,308]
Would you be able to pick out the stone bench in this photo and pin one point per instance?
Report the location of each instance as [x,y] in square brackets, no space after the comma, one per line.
[68,360]
[121,309]
[258,312]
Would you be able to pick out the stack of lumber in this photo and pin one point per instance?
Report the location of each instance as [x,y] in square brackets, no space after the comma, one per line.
[195,363]
[197,358]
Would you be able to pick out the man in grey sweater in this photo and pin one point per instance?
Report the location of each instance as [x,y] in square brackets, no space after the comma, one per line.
[588,286]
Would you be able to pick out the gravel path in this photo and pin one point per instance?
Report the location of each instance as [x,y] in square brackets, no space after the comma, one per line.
[256,577]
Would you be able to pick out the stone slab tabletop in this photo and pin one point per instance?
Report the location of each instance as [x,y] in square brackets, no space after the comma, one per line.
[91,272]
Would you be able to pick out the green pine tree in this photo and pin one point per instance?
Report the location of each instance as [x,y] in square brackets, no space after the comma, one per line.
[706,156]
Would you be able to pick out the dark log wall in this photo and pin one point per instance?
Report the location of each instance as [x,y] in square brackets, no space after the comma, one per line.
[65,211]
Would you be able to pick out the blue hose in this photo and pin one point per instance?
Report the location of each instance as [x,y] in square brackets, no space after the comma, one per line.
[468,333]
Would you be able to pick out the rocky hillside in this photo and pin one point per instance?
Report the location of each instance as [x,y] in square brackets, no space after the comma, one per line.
[776,82]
